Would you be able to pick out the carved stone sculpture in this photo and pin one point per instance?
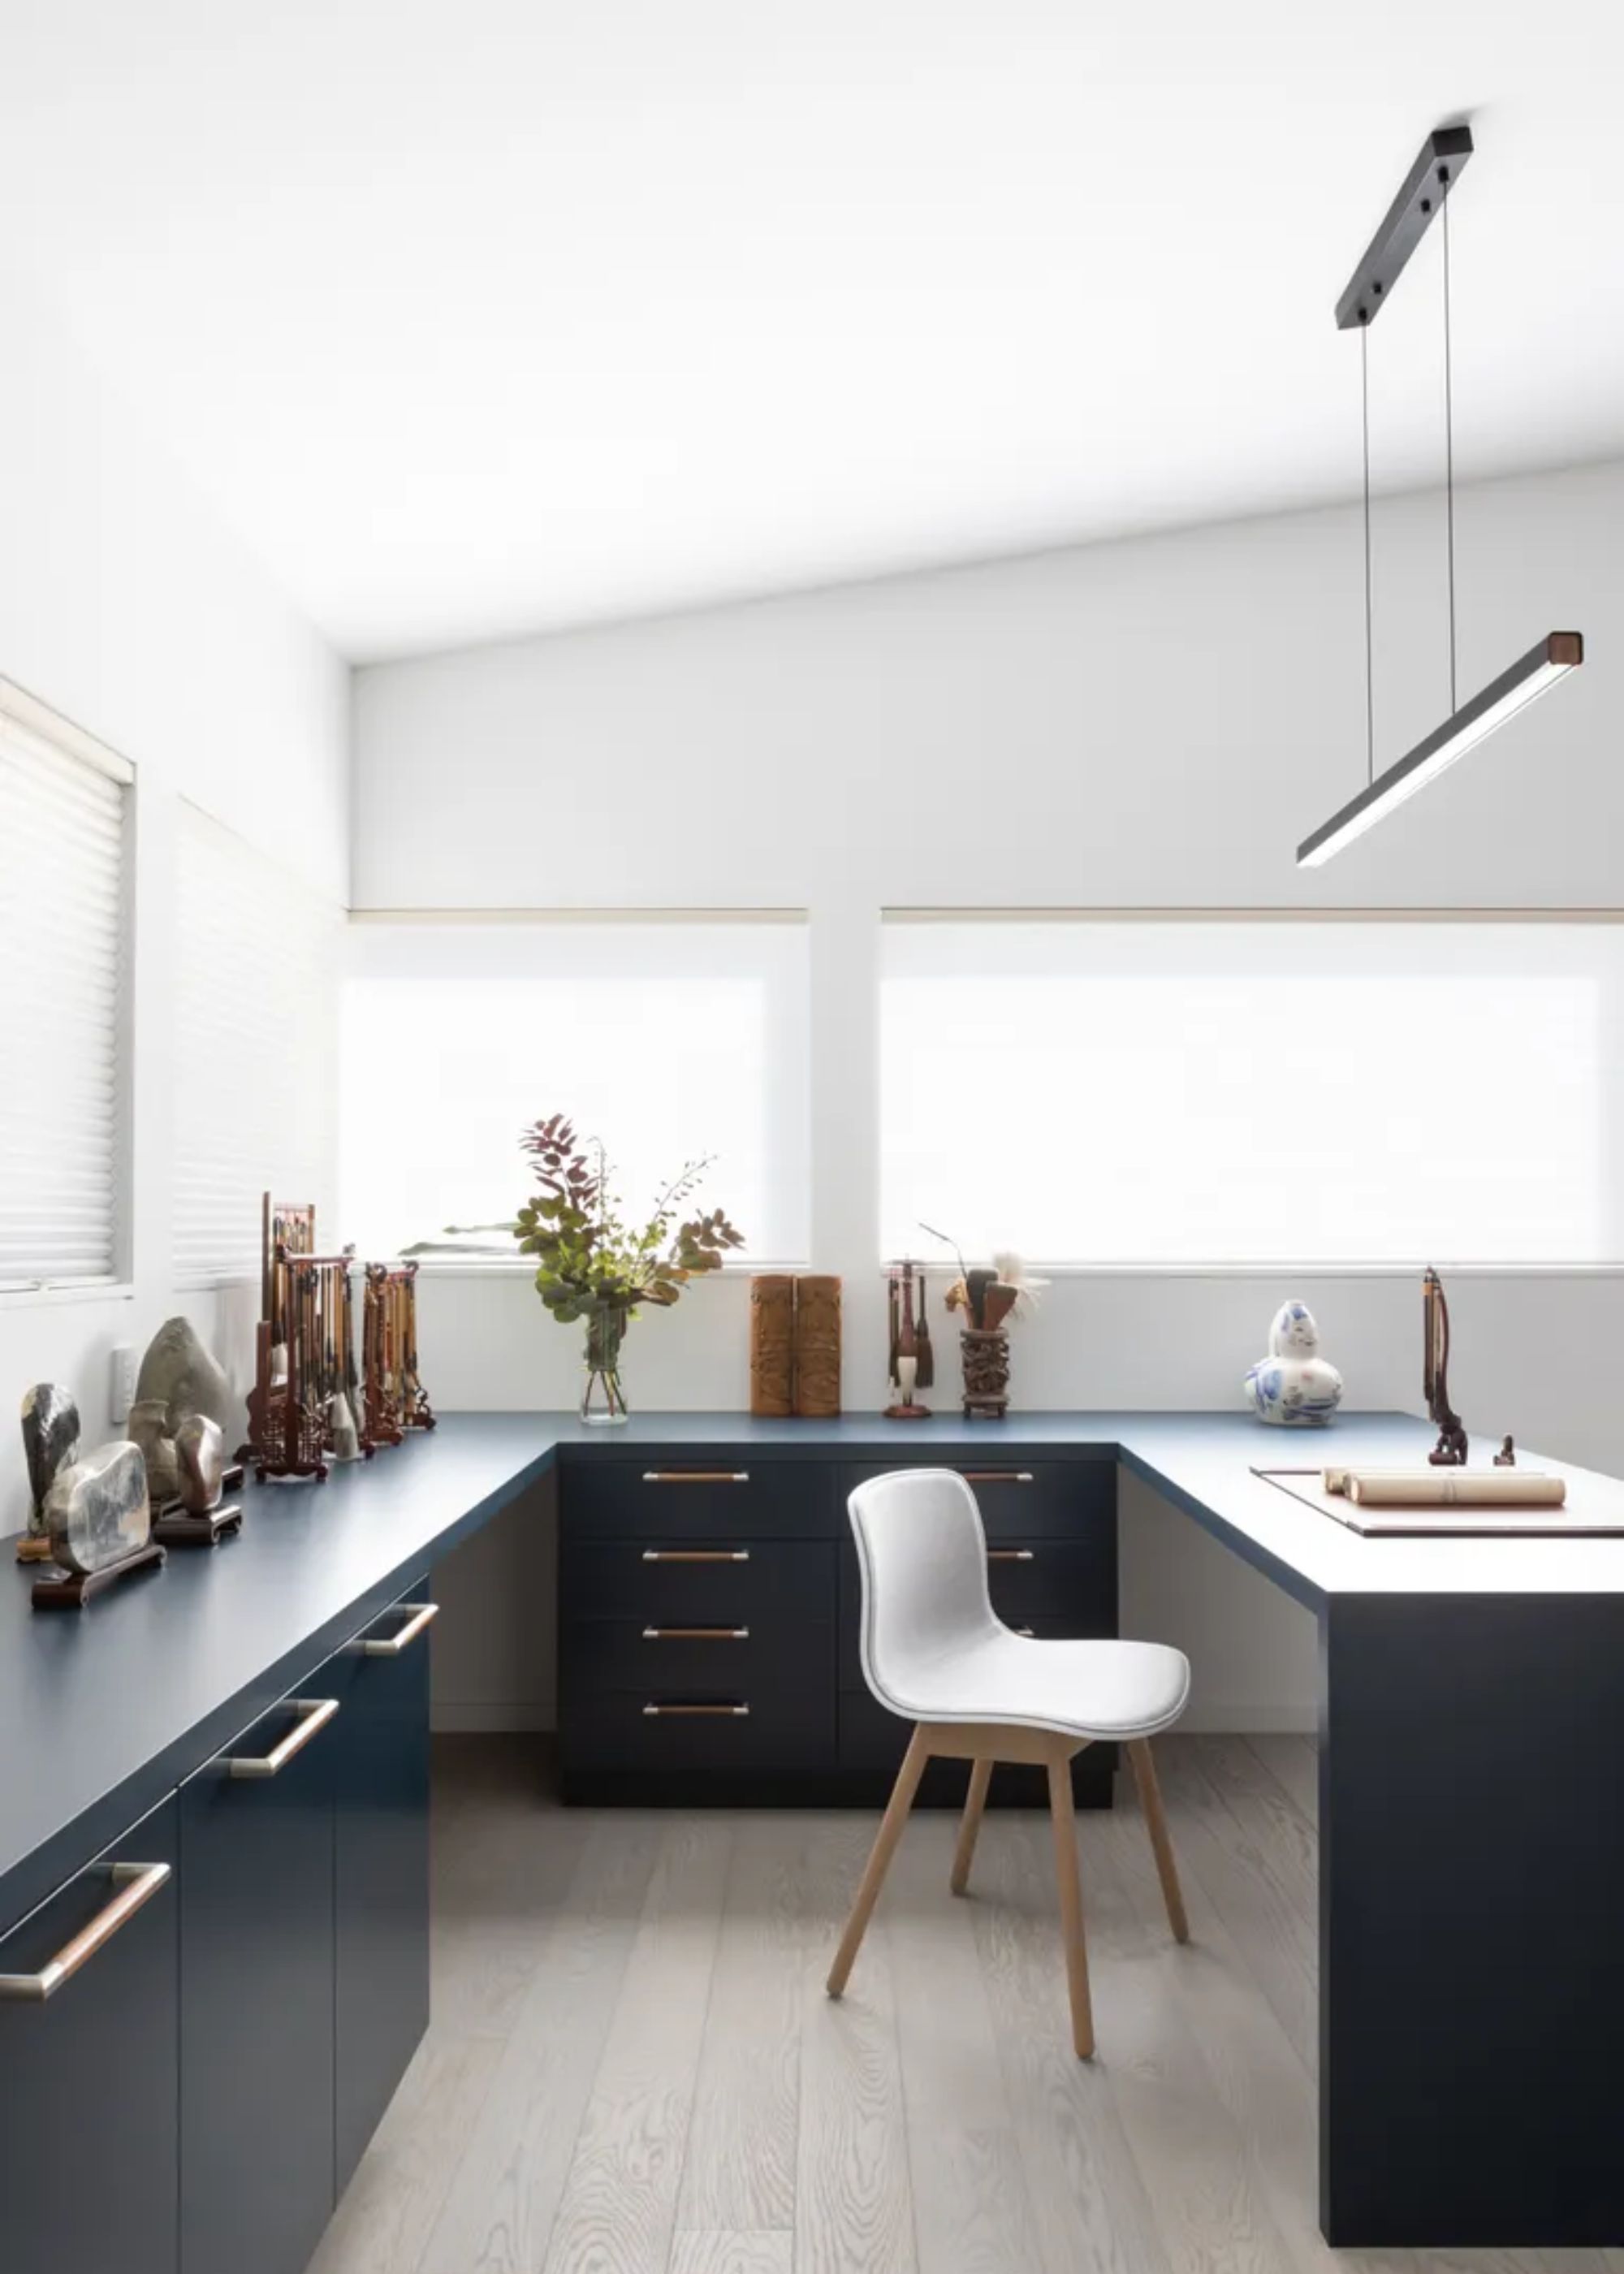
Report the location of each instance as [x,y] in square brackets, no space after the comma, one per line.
[50,1441]
[183,1374]
[97,1511]
[150,1427]
[200,1462]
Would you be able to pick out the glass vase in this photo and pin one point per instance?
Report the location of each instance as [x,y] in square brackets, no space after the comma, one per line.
[603,1401]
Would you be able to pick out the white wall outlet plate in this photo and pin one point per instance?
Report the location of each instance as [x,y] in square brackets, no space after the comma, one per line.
[121,1385]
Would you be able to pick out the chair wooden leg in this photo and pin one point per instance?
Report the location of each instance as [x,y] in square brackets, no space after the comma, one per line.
[1161,1839]
[1070,1903]
[970,1823]
[879,1860]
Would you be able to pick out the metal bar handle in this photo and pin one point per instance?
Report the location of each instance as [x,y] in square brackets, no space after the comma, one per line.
[137,1883]
[1010,1555]
[997,1476]
[695,1554]
[735,1712]
[696,1476]
[315,1714]
[423,1614]
[696,1634]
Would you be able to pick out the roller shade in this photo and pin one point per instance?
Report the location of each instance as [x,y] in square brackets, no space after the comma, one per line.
[64,1080]
[255,1045]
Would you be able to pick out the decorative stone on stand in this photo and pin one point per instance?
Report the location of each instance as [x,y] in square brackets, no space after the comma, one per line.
[151,1428]
[182,1375]
[50,1441]
[200,1460]
[1294,1386]
[97,1512]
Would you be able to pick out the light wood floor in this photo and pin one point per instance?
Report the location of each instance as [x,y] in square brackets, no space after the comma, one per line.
[633,2068]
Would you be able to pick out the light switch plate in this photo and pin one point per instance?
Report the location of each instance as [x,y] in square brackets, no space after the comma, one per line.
[121,1384]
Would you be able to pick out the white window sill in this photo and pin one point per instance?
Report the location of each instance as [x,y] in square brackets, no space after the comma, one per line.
[50,1292]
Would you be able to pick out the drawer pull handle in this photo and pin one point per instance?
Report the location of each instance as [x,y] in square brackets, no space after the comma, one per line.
[696,1476]
[137,1883]
[423,1614]
[315,1714]
[696,1634]
[1012,1556]
[735,1712]
[695,1554]
[997,1476]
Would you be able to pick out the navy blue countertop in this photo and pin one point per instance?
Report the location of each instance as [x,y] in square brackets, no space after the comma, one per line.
[106,1709]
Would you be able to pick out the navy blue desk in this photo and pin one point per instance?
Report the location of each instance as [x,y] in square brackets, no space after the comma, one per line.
[1471,1728]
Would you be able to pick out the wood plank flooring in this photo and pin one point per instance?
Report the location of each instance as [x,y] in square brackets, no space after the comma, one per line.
[633,2069]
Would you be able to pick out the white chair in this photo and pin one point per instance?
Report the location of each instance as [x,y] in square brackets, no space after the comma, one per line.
[935,1651]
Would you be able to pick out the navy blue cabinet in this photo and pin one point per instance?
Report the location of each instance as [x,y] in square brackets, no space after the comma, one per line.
[380,1883]
[89,2067]
[708,1643]
[257,1992]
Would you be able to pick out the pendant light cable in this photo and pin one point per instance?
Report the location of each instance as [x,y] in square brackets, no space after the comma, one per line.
[1443,175]
[1370,658]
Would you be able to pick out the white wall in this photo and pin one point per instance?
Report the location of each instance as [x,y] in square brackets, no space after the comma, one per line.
[1150,724]
[127,606]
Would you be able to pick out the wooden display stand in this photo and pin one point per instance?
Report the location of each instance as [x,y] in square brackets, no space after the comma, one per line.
[287,1230]
[394,1399]
[71,1591]
[178,1527]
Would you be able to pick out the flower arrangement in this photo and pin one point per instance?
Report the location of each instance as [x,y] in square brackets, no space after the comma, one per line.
[592,1264]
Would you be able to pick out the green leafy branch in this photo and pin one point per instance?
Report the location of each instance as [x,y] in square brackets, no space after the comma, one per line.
[588,1259]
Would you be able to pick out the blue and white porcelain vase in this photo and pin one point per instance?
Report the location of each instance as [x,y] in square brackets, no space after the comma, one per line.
[1294,1386]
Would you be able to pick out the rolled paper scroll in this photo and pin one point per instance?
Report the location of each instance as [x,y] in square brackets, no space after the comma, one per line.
[772,1344]
[1448,1487]
[817,1346]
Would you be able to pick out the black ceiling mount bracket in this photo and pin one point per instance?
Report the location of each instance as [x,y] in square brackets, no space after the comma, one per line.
[1435,172]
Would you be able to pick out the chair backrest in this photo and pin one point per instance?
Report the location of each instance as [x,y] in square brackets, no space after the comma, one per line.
[923,1558]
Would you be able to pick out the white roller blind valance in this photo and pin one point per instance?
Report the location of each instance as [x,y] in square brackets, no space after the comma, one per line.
[256,1048]
[64,1083]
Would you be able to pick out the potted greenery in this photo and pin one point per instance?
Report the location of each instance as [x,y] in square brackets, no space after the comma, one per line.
[592,1265]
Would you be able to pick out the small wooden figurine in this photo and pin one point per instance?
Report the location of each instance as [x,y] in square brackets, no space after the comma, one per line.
[900,1292]
[1450,1450]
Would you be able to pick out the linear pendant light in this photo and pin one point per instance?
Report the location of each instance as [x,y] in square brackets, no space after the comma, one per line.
[1556,655]
[1424,194]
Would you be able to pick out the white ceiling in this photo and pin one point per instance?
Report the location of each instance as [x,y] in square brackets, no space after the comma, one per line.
[488,317]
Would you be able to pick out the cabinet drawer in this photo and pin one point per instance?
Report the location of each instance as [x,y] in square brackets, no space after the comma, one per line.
[720,1496]
[1024,1499]
[735,1733]
[1059,1588]
[699,1582]
[762,1656]
[257,2030]
[89,2056]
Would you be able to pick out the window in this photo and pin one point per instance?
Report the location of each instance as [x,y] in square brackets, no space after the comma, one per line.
[257,963]
[1289,1092]
[669,1039]
[64,1058]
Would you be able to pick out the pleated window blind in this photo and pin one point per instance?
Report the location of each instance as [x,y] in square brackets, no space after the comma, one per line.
[256,1049]
[64,1086]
